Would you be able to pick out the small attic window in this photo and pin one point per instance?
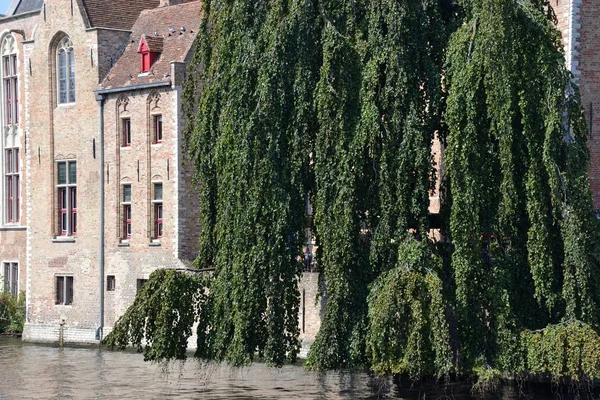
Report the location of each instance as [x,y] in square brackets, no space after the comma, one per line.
[149,50]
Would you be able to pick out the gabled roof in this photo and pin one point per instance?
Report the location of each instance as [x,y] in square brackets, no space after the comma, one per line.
[115,14]
[23,6]
[164,24]
[153,44]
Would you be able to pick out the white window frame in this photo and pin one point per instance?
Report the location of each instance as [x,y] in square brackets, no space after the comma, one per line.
[156,120]
[10,282]
[65,82]
[125,236]
[11,182]
[70,190]
[12,186]
[155,204]
[65,279]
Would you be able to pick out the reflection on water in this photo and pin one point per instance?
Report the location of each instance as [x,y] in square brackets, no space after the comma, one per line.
[29,371]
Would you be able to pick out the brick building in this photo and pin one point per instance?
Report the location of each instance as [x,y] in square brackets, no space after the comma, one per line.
[90,100]
[579,24]
[84,80]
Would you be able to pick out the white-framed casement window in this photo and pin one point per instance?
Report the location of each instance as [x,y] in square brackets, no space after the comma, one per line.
[64,290]
[10,141]
[10,82]
[12,185]
[65,71]
[157,206]
[11,278]
[66,188]
[126,206]
[126,132]
[157,129]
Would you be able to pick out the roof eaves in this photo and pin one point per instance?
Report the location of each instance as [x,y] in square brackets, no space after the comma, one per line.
[139,86]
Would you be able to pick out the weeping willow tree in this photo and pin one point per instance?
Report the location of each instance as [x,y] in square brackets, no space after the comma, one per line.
[337,102]
[521,214]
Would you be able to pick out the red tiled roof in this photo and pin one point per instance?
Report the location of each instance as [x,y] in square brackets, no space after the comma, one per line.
[154,43]
[116,14]
[159,23]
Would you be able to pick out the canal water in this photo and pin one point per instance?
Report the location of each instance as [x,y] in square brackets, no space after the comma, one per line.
[30,371]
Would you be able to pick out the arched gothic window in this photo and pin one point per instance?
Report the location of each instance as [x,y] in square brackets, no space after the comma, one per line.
[65,64]
[10,140]
[10,85]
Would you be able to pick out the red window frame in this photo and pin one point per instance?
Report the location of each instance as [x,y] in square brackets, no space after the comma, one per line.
[158,128]
[12,181]
[67,199]
[11,89]
[73,205]
[62,205]
[126,127]
[145,61]
[158,220]
[127,220]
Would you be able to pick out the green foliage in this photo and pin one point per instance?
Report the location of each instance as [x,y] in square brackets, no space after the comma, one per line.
[408,332]
[568,352]
[159,322]
[517,165]
[12,312]
[338,102]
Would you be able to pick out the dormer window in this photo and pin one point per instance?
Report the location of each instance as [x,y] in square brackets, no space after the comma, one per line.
[149,49]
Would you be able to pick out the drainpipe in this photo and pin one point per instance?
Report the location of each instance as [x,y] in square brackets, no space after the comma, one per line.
[100,99]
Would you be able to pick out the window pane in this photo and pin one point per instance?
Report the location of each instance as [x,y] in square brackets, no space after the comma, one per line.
[16,160]
[62,173]
[60,290]
[17,196]
[69,292]
[6,277]
[15,103]
[127,193]
[15,279]
[14,64]
[72,172]
[6,70]
[9,161]
[62,76]
[158,128]
[71,75]
[158,192]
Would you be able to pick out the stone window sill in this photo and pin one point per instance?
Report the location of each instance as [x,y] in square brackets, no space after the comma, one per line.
[13,228]
[65,239]
[154,244]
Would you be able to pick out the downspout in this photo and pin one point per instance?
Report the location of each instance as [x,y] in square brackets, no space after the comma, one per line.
[100,99]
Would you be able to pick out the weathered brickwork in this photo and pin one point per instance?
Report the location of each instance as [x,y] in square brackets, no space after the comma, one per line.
[579,24]
[13,235]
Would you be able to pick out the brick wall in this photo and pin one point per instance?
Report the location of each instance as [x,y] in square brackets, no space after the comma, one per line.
[59,132]
[579,24]
[13,237]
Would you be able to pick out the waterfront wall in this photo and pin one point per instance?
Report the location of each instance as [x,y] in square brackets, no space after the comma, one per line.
[311,312]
